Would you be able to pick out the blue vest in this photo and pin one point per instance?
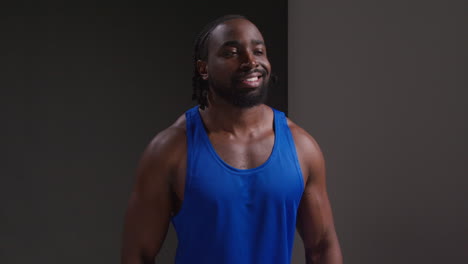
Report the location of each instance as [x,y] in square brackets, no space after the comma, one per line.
[235,216]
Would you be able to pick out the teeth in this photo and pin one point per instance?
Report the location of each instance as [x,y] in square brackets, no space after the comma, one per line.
[253,79]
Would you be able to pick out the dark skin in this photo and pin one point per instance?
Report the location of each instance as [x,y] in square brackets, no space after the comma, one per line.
[242,137]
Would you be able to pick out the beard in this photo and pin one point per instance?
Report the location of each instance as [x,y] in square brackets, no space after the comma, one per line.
[242,98]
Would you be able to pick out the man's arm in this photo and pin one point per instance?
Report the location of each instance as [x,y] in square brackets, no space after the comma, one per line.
[315,222]
[149,210]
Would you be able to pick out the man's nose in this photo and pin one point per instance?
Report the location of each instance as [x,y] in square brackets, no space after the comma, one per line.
[249,61]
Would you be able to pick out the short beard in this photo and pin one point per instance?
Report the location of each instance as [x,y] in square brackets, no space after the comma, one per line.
[243,98]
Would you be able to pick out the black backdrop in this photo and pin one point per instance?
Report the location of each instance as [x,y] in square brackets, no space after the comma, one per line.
[83,91]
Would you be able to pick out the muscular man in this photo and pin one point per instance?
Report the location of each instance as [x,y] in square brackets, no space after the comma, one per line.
[234,176]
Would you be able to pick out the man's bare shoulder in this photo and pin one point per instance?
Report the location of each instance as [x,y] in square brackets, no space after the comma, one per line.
[170,143]
[308,150]
[302,138]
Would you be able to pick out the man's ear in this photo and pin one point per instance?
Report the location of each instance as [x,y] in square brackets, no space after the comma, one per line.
[202,68]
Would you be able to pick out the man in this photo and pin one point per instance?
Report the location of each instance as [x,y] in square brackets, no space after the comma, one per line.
[233,175]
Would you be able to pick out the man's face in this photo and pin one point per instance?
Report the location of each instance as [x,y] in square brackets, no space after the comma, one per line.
[237,68]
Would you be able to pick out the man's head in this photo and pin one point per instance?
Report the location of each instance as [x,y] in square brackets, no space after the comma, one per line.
[230,61]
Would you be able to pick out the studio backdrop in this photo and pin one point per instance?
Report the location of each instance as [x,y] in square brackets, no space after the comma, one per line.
[84,90]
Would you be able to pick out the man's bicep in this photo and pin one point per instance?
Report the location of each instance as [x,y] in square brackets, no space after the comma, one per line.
[314,219]
[316,228]
[314,216]
[149,209]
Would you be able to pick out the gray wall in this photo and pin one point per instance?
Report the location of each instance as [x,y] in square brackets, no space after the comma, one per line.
[83,91]
[382,86]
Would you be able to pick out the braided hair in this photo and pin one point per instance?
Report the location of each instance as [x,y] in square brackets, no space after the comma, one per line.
[200,86]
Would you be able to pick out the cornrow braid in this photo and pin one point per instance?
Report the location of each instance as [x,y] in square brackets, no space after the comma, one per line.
[200,86]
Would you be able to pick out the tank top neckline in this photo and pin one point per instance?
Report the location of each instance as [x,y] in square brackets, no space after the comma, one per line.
[224,164]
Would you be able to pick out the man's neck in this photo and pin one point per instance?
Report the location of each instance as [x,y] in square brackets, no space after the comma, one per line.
[221,116]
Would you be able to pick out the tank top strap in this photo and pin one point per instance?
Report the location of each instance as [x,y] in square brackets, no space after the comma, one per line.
[191,127]
[286,141]
[280,128]
[193,137]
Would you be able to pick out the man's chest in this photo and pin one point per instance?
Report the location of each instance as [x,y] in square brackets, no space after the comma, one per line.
[243,153]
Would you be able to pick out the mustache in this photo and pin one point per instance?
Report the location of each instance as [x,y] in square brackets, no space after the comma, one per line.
[242,75]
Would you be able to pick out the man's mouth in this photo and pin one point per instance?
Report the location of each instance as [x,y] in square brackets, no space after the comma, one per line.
[251,82]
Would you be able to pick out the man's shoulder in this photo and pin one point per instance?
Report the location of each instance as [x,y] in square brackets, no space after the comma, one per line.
[301,136]
[307,147]
[170,142]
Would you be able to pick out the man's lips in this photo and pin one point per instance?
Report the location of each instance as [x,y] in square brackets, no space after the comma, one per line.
[252,73]
[251,81]
[251,76]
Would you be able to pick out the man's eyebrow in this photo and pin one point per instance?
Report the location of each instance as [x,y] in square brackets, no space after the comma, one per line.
[231,43]
[236,43]
[257,42]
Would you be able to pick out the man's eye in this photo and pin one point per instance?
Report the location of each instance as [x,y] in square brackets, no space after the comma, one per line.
[229,53]
[258,52]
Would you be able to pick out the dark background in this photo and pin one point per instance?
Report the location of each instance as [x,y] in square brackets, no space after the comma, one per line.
[84,90]
[383,88]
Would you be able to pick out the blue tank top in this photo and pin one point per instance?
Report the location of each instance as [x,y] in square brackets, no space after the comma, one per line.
[237,216]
